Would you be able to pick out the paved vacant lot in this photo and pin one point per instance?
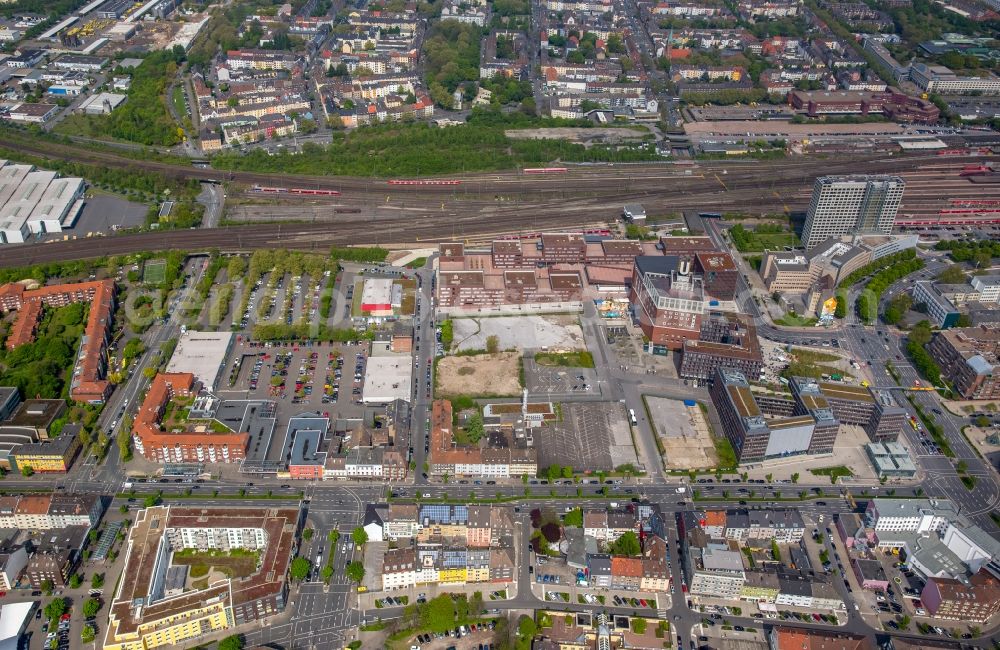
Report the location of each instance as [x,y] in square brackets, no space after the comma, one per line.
[592,437]
[684,433]
[479,374]
[521,332]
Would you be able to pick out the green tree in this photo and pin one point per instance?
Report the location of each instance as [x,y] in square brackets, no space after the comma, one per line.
[474,428]
[567,471]
[233,642]
[56,609]
[359,536]
[47,587]
[553,472]
[87,634]
[627,544]
[300,568]
[75,581]
[795,477]
[27,470]
[90,607]
[307,534]
[952,275]
[355,572]
[327,573]
[574,518]
[333,536]
[97,580]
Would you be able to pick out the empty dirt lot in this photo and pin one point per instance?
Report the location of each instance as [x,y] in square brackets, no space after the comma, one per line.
[479,375]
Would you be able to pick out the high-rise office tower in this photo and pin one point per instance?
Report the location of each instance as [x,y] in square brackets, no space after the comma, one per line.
[849,205]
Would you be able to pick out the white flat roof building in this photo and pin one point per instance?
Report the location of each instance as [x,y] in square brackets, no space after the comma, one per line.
[34,201]
[15,212]
[387,379]
[203,354]
[55,204]
[10,177]
[101,103]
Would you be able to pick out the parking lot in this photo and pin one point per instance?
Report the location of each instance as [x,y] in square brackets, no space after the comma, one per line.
[554,581]
[103,213]
[546,379]
[590,437]
[291,299]
[297,378]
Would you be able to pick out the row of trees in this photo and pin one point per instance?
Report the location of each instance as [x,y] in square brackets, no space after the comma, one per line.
[916,348]
[869,298]
[979,252]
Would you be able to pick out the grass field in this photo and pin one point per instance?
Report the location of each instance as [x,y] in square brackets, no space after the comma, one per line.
[154,271]
[417,263]
[180,105]
[772,241]
[794,320]
[578,359]
[834,472]
[813,356]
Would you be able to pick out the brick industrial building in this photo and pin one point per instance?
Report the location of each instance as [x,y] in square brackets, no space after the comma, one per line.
[891,103]
[669,300]
[725,341]
[563,267]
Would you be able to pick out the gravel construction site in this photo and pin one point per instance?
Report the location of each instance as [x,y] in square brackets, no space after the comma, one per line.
[519,332]
[684,432]
[479,375]
[580,136]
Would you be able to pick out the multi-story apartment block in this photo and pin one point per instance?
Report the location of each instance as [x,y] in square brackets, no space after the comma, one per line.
[398,568]
[141,615]
[48,512]
[88,383]
[751,9]
[910,515]
[844,205]
[714,570]
[447,458]
[975,599]
[187,446]
[260,60]
[968,357]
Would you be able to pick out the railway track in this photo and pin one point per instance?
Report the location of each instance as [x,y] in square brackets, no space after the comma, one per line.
[380,213]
